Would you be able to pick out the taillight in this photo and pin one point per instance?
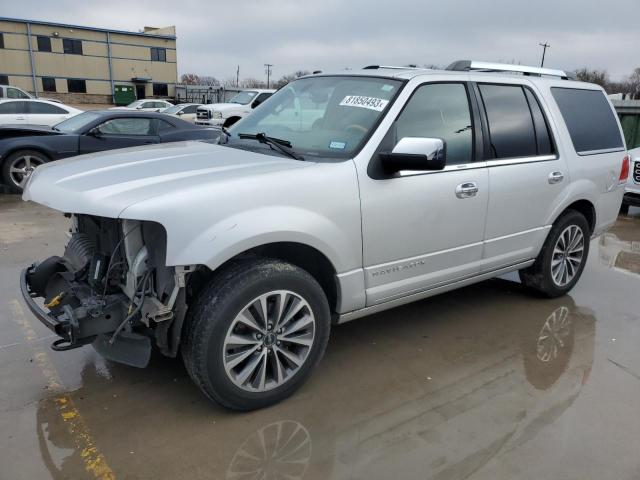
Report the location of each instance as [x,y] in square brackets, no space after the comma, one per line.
[624,171]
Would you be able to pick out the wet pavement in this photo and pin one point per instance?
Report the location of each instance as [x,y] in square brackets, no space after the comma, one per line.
[488,382]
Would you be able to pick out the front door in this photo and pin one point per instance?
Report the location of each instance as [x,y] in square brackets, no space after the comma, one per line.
[14,112]
[119,133]
[140,91]
[419,231]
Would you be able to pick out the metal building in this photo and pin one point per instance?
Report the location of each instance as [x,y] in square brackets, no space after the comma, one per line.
[84,64]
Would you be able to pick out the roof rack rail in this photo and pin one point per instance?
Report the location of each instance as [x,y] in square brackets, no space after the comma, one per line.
[472,65]
[391,67]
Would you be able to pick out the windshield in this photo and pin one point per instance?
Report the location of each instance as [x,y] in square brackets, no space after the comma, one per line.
[135,104]
[322,116]
[77,123]
[243,97]
[173,110]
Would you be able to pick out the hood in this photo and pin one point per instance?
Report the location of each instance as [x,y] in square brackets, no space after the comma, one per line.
[221,107]
[7,131]
[106,183]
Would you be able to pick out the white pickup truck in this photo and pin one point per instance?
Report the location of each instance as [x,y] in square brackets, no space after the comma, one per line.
[226,114]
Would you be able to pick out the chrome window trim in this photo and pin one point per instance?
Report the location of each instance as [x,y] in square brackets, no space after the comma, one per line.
[516,160]
[600,151]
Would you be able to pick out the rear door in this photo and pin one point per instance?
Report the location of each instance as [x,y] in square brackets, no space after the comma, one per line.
[119,133]
[14,112]
[527,176]
[41,113]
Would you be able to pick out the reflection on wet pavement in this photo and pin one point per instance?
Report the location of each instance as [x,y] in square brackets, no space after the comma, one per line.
[487,382]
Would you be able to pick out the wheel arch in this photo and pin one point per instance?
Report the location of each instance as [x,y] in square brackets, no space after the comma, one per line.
[583,206]
[302,255]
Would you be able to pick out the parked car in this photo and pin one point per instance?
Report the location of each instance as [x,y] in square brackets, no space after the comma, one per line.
[632,190]
[146,105]
[34,112]
[22,149]
[185,111]
[226,114]
[343,195]
[7,91]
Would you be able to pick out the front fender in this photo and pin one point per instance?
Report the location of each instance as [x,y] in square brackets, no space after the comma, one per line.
[260,226]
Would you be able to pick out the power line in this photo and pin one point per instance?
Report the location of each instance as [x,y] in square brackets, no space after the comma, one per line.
[544,46]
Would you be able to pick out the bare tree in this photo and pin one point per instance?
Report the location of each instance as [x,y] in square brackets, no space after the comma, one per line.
[282,81]
[601,77]
[190,79]
[209,81]
[252,83]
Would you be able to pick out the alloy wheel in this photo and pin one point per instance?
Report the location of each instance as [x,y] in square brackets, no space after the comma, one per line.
[567,256]
[269,341]
[21,169]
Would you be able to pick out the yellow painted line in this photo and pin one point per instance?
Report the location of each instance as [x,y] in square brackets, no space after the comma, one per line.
[94,462]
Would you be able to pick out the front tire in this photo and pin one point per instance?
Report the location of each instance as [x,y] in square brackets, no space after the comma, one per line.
[18,166]
[255,333]
[562,258]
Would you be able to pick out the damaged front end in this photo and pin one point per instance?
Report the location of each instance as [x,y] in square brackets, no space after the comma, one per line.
[111,288]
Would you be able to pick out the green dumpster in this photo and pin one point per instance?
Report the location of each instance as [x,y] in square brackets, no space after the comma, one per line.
[124,94]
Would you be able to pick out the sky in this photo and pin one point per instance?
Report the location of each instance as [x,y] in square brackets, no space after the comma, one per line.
[214,37]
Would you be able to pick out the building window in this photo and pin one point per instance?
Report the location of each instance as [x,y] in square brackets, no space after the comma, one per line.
[48,84]
[4,79]
[160,90]
[76,86]
[44,44]
[1,40]
[72,46]
[158,54]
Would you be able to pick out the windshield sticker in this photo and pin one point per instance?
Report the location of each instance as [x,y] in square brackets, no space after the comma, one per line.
[387,88]
[338,145]
[371,103]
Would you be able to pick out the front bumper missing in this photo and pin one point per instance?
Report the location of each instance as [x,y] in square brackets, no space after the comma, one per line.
[76,331]
[61,325]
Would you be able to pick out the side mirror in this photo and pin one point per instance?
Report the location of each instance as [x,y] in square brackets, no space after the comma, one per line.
[416,153]
[139,107]
[94,132]
[180,113]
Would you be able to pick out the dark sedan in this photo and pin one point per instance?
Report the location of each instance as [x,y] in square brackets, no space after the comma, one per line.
[24,147]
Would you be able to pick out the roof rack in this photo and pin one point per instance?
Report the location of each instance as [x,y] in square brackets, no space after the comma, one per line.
[472,65]
[391,67]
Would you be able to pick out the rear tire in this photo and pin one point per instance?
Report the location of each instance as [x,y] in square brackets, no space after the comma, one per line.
[562,258]
[236,357]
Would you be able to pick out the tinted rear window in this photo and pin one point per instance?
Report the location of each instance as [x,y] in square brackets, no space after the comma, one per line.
[589,119]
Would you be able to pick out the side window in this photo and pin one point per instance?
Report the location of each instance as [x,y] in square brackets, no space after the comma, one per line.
[8,108]
[543,137]
[511,128]
[149,105]
[259,99]
[165,127]
[440,110]
[45,108]
[631,129]
[126,126]
[589,119]
[15,93]
[190,109]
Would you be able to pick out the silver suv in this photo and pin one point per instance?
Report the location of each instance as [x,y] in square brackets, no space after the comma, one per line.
[340,196]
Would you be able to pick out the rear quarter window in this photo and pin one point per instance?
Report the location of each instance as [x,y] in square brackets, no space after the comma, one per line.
[589,118]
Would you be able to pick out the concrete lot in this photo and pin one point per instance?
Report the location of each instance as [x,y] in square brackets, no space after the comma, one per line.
[487,382]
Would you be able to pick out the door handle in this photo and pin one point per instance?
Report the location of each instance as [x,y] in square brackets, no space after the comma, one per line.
[466,190]
[555,177]
[19,118]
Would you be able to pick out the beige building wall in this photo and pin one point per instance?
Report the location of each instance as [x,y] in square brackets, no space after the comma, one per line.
[130,52]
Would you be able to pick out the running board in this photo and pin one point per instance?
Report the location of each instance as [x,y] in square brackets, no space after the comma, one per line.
[363,312]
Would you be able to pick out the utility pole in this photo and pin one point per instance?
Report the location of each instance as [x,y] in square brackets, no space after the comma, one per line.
[268,67]
[544,46]
[238,76]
